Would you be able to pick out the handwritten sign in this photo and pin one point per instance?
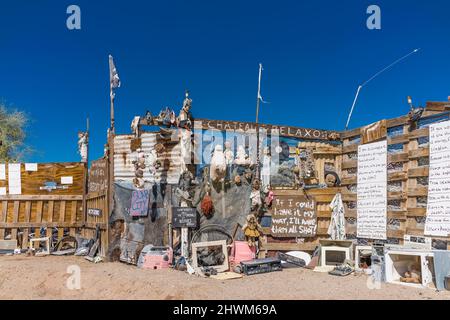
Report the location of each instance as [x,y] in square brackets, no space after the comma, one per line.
[139,203]
[98,176]
[293,216]
[184,217]
[437,221]
[372,191]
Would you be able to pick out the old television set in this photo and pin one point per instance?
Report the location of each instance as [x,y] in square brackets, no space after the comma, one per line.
[335,252]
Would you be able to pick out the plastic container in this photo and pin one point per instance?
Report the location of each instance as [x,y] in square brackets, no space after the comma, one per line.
[241,251]
[155,257]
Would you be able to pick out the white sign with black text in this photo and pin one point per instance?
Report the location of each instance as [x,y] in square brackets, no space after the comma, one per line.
[437,222]
[372,191]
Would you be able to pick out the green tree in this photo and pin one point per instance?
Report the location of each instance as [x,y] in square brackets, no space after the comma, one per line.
[13,125]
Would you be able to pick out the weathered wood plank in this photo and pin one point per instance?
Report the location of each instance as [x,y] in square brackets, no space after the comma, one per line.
[418,192]
[95,195]
[3,218]
[15,219]
[437,106]
[396,195]
[419,153]
[39,214]
[50,218]
[350,133]
[348,181]
[403,138]
[283,246]
[397,121]
[398,157]
[41,197]
[419,133]
[26,229]
[397,176]
[416,212]
[350,148]
[73,217]
[349,164]
[418,172]
[62,218]
[51,225]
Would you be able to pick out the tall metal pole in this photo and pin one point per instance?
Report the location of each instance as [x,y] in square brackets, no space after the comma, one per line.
[111,95]
[258,98]
[87,133]
[353,106]
[86,174]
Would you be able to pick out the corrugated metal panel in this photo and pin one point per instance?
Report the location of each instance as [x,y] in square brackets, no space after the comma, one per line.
[123,157]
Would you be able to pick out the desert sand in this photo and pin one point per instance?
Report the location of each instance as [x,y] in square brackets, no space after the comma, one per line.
[23,277]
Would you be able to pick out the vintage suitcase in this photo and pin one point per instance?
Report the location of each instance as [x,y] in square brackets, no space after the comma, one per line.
[260,266]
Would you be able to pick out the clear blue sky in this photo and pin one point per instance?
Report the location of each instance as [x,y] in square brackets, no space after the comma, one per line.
[314,53]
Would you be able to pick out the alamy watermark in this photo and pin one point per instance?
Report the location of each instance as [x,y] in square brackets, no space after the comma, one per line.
[374,20]
[73,21]
[73,282]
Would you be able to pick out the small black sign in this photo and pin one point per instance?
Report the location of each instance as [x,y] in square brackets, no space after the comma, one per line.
[94,212]
[184,217]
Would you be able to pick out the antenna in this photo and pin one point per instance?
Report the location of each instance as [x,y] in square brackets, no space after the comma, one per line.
[373,77]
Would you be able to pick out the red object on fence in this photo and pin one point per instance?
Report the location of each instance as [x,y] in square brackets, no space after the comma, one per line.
[207,206]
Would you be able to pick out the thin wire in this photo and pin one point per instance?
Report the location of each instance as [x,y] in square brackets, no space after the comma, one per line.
[373,77]
[389,66]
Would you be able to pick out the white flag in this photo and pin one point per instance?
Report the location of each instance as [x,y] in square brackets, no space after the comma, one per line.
[259,85]
[261,99]
[113,75]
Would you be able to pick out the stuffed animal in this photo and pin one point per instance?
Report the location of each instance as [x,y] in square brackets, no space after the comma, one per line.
[218,164]
[186,148]
[241,157]
[83,145]
[252,230]
[269,196]
[255,196]
[139,166]
[228,153]
[412,275]
[135,126]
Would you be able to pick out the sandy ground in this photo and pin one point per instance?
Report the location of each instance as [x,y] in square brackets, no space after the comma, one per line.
[23,277]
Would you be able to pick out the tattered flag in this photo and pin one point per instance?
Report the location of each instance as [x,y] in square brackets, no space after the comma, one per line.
[261,98]
[113,75]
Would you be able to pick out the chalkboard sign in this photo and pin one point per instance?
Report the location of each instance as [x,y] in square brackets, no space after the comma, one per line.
[184,217]
[293,216]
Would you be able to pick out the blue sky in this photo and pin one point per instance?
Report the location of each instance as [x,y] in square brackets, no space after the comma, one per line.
[314,53]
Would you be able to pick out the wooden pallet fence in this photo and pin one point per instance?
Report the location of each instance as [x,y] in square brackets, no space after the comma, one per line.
[408,155]
[22,215]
